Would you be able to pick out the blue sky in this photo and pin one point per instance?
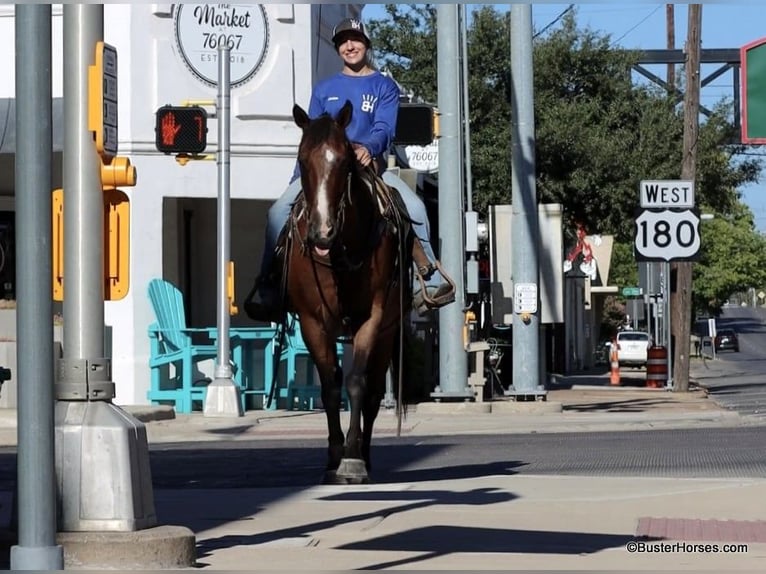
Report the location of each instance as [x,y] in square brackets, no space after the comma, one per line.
[643,25]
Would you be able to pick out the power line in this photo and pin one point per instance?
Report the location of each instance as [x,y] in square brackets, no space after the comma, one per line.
[638,24]
[559,17]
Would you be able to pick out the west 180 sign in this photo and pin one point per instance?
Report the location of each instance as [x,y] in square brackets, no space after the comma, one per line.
[667,235]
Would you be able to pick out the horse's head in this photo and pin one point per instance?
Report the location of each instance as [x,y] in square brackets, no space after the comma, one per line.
[326,160]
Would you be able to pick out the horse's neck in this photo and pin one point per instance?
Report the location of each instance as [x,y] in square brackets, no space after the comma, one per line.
[364,204]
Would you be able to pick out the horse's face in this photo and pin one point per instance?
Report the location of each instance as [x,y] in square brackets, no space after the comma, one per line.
[326,159]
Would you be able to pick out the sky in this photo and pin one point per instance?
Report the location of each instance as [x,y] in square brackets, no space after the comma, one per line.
[643,26]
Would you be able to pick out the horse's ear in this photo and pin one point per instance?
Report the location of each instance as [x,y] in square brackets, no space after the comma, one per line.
[344,115]
[301,117]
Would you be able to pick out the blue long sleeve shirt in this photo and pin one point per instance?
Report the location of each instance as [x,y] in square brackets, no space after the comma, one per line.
[375,99]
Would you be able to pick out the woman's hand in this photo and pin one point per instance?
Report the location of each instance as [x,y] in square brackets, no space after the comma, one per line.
[362,154]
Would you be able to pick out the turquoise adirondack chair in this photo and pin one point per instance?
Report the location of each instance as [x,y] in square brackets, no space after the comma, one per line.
[171,343]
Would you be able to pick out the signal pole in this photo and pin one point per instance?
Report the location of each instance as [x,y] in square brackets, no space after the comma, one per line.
[453,361]
[682,298]
[102,455]
[36,499]
[223,398]
[524,216]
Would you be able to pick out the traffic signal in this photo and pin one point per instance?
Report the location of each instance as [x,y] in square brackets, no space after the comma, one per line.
[416,124]
[181,129]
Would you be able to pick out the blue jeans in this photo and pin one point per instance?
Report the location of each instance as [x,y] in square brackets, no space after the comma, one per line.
[280,211]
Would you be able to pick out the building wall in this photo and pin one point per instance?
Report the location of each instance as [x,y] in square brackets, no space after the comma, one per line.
[173,207]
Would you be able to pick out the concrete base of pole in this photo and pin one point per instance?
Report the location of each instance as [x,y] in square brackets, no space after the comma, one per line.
[162,547]
[37,558]
[102,469]
[466,394]
[526,394]
[222,399]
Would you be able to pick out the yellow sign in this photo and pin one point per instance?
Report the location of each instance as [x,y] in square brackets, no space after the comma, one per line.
[116,244]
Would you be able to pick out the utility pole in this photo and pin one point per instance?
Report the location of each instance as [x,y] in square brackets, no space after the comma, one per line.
[682,297]
[671,30]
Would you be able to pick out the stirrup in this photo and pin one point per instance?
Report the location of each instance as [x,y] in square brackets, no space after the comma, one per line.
[423,301]
[426,270]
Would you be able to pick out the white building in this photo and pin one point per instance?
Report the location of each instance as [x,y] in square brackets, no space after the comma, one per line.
[163,59]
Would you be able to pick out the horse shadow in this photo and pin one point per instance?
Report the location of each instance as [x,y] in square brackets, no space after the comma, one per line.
[430,541]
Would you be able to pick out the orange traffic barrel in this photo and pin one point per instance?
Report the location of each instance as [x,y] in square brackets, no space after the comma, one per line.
[656,367]
[614,365]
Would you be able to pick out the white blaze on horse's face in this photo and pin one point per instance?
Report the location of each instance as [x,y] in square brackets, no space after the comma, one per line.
[323,199]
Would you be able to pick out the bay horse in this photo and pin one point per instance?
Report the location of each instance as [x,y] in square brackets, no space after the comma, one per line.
[343,277]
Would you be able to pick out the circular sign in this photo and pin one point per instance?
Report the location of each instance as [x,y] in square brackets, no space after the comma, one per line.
[201,28]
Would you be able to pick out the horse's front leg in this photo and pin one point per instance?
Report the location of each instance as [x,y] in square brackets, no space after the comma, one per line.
[324,354]
[377,369]
[331,399]
[353,465]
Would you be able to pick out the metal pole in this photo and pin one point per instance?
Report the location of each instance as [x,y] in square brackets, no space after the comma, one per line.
[222,397]
[465,111]
[471,218]
[223,163]
[83,202]
[524,215]
[93,437]
[36,548]
[668,326]
[453,361]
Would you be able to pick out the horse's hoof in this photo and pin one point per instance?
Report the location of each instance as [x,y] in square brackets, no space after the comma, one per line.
[350,471]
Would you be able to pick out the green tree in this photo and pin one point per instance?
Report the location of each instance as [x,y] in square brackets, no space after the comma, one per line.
[598,133]
[733,259]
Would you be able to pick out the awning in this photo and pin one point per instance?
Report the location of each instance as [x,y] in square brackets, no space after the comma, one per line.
[8,125]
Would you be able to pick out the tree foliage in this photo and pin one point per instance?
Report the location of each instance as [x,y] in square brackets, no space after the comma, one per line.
[598,132]
[733,258]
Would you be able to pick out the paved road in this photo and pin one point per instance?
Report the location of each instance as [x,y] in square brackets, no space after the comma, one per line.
[708,453]
[738,380]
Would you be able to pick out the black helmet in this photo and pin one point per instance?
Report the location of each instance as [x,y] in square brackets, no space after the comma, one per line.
[350,25]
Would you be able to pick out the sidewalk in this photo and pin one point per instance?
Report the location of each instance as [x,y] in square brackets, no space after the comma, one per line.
[502,521]
[499,521]
[579,403]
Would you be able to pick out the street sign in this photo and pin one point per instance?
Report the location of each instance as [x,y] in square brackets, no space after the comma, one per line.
[666,193]
[631,291]
[525,300]
[667,235]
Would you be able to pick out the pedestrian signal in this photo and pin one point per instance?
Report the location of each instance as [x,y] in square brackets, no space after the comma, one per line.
[181,129]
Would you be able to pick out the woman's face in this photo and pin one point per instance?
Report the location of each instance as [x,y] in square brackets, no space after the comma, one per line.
[352,49]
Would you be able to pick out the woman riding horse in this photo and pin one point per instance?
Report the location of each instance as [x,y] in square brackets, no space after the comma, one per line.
[344,262]
[375,101]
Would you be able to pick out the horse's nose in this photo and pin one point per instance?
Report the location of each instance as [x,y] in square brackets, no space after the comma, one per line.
[322,234]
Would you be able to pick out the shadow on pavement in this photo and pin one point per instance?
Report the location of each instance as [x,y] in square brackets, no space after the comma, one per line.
[434,541]
[420,500]
[623,406]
